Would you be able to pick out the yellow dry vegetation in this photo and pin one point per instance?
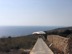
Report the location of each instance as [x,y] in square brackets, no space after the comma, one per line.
[58,42]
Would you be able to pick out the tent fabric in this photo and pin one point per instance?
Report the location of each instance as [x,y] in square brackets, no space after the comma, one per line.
[39,32]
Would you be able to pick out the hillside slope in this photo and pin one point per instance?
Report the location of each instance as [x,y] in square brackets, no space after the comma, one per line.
[65,31]
[12,44]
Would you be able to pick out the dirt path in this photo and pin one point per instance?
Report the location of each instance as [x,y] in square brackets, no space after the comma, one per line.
[41,48]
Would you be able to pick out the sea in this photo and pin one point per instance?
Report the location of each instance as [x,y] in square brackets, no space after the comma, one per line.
[14,31]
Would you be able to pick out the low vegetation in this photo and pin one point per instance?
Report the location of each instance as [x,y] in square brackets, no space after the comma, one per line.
[16,43]
[13,44]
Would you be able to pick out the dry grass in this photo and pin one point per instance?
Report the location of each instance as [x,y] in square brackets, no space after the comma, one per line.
[59,43]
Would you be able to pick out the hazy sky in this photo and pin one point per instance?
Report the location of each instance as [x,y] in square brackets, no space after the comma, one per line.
[35,12]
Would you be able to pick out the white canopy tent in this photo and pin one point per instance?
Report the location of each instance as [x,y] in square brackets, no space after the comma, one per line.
[39,32]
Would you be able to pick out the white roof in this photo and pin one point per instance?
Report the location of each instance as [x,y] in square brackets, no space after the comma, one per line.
[39,32]
[41,48]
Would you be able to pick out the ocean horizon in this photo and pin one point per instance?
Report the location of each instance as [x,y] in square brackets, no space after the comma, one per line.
[15,31]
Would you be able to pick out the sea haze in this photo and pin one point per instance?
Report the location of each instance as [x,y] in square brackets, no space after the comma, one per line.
[14,31]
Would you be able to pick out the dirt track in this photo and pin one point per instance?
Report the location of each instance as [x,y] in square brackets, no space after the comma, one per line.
[41,48]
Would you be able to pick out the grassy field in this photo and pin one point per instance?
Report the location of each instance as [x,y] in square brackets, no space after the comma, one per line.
[15,43]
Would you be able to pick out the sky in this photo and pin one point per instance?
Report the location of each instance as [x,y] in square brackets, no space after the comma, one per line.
[35,12]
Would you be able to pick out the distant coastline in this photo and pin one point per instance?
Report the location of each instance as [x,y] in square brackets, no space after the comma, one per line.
[6,31]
